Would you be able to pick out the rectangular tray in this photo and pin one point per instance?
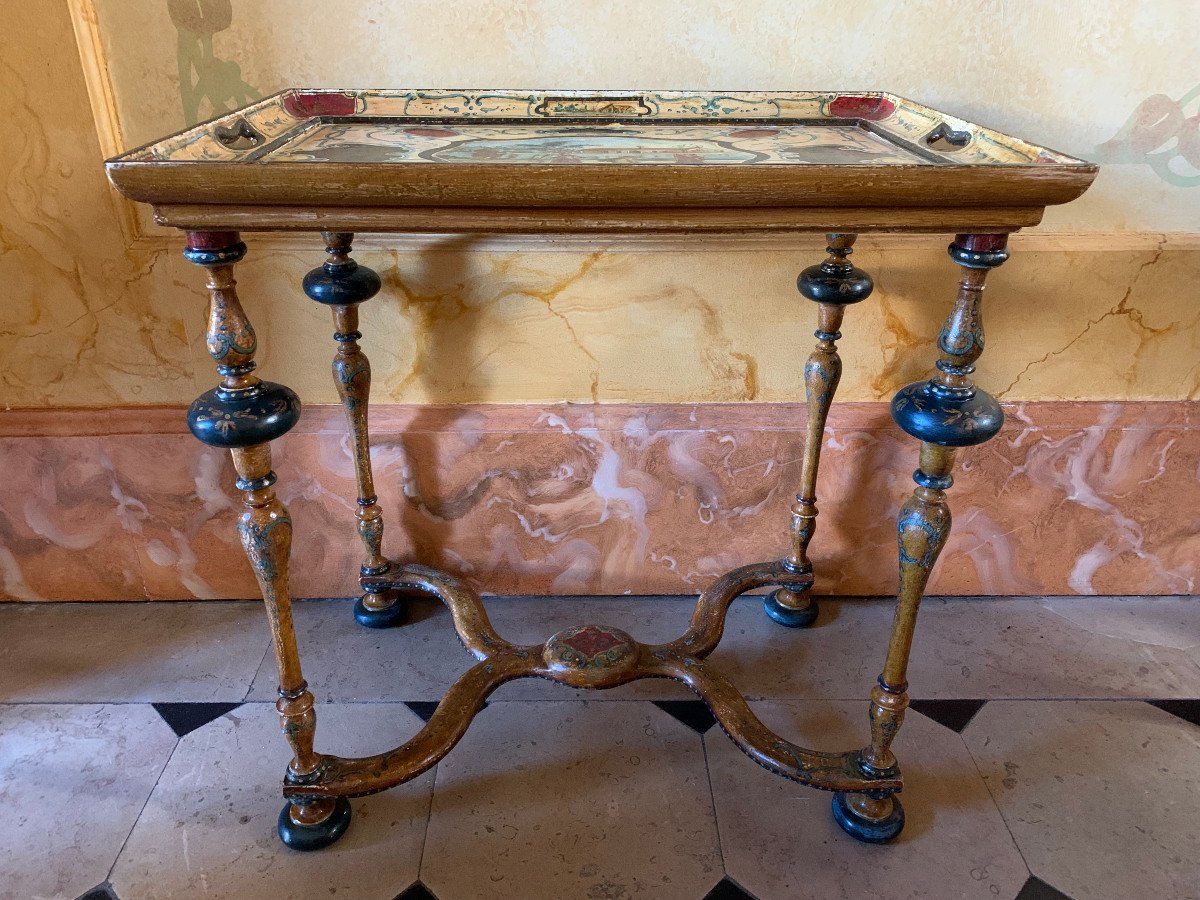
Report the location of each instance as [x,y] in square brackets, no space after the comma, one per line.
[531,150]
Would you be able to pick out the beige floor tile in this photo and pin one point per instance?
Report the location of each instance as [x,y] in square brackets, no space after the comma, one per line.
[1086,647]
[130,652]
[209,827]
[1073,647]
[1170,622]
[991,648]
[780,841]
[545,801]
[980,648]
[1102,797]
[73,780]
[837,657]
[344,662]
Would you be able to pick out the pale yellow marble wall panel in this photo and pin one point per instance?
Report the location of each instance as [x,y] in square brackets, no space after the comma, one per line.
[83,320]
[457,325]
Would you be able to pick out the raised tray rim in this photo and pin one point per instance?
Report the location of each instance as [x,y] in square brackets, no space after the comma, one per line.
[897,99]
[1043,176]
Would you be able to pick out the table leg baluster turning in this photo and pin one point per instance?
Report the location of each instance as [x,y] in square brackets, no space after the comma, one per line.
[833,285]
[342,284]
[244,414]
[943,413]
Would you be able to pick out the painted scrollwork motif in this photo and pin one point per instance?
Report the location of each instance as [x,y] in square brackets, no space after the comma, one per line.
[922,529]
[223,420]
[1163,134]
[266,535]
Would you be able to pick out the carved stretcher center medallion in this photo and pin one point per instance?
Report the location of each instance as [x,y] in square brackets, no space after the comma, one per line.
[594,649]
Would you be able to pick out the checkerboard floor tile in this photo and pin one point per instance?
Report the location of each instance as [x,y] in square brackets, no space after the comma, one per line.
[1052,750]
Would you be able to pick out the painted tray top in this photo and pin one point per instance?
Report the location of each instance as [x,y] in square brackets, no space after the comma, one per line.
[525,149]
[610,144]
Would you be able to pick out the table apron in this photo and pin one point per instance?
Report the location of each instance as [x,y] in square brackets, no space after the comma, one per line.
[456,220]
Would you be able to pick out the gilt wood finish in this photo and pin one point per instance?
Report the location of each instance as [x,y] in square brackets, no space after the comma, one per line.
[764,168]
[468,220]
[940,171]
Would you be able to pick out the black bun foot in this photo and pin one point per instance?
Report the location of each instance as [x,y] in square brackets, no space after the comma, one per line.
[787,615]
[379,618]
[870,831]
[314,837]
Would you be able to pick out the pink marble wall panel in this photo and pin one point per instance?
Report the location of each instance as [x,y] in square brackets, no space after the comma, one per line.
[1072,497]
[66,521]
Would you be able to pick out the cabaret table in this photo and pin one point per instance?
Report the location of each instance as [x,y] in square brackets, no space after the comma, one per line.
[532,162]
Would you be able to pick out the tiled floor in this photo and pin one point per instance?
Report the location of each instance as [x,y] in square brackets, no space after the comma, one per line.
[140,757]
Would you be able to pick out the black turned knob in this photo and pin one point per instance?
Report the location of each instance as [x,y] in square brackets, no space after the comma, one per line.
[256,415]
[979,251]
[835,282]
[341,283]
[931,413]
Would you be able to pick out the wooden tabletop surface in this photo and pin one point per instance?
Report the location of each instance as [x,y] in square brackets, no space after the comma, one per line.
[490,160]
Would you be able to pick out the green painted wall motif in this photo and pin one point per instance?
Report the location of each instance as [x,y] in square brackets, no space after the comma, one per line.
[207,85]
[1161,134]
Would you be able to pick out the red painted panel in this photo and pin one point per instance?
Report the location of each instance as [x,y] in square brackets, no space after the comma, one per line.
[981,243]
[849,106]
[211,240]
[305,105]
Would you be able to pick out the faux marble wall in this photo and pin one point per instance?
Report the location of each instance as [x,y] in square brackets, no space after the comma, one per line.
[1071,498]
[456,324]
[1102,305]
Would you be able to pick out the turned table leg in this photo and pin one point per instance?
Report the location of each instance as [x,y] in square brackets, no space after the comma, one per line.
[944,413]
[342,284]
[244,414]
[833,285]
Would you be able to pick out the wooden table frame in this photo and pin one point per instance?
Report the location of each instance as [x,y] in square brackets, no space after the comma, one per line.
[198,182]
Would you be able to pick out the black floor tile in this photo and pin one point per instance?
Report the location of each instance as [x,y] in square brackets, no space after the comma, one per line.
[424,708]
[692,713]
[954,714]
[417,892]
[100,892]
[727,889]
[1036,889]
[184,718]
[1188,710]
